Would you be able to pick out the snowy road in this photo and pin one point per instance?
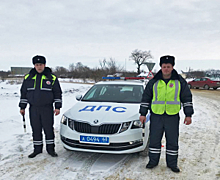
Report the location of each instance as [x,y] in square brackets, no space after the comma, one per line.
[199,154]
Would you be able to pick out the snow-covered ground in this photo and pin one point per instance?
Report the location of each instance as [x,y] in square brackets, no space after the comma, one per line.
[199,154]
[71,80]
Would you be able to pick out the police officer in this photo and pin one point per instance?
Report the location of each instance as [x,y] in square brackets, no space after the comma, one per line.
[163,96]
[41,89]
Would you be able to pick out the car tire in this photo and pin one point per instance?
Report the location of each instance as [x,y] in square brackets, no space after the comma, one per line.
[215,88]
[206,87]
[190,86]
[145,152]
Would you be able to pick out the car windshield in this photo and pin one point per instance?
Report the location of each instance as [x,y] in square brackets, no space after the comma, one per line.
[115,93]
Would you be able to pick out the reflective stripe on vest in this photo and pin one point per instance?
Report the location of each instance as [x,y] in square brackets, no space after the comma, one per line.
[41,84]
[166,97]
[54,78]
[26,76]
[35,78]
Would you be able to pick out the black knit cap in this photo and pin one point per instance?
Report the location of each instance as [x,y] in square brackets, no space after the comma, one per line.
[167,59]
[39,59]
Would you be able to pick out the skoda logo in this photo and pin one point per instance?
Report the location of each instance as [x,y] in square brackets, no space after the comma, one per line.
[96,121]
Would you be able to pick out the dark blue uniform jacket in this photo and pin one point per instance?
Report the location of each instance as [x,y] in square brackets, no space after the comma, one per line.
[41,89]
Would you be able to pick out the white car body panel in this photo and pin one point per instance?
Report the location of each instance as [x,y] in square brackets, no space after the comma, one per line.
[105,113]
[104,116]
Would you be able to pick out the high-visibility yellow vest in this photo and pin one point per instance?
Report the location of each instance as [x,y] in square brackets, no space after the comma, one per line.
[166,97]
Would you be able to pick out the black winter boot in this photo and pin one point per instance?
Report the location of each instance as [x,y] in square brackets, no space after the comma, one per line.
[33,154]
[150,166]
[175,169]
[50,149]
[52,153]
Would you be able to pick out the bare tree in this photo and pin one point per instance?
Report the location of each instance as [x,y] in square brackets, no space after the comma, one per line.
[97,74]
[102,63]
[71,67]
[140,57]
[113,68]
[110,66]
[60,71]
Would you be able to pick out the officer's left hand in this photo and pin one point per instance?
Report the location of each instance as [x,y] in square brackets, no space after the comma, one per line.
[188,121]
[56,112]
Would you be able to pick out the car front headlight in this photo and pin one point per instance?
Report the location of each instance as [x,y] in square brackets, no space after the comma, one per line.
[124,126]
[71,124]
[64,120]
[67,121]
[136,124]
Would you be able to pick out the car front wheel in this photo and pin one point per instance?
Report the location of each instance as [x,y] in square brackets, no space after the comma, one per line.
[215,88]
[206,87]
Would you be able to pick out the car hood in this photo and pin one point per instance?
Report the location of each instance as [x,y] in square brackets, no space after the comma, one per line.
[104,112]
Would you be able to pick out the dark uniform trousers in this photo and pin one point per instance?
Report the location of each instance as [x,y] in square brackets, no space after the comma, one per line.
[42,118]
[158,125]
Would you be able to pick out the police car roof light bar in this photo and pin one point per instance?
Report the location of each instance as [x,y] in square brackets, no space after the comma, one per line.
[123,78]
[110,77]
[134,78]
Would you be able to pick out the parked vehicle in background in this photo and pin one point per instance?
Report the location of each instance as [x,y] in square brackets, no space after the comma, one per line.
[106,120]
[205,83]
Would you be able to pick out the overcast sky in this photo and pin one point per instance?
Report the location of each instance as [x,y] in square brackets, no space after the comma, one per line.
[71,31]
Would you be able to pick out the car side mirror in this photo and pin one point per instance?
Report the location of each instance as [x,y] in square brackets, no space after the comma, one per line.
[78,97]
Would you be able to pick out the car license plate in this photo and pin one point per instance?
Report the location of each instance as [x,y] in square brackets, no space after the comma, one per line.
[218,82]
[94,139]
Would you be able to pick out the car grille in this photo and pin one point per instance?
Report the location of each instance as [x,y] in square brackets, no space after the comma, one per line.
[102,129]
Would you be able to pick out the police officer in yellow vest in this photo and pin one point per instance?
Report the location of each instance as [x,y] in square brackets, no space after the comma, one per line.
[163,96]
[41,89]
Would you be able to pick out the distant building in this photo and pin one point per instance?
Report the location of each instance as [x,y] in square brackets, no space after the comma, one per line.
[20,71]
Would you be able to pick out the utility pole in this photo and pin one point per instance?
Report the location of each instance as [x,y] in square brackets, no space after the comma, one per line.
[125,68]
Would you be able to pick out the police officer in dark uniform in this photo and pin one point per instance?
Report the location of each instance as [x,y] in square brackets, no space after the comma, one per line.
[163,96]
[41,89]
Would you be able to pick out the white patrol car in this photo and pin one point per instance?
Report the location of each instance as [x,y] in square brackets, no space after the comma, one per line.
[106,120]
